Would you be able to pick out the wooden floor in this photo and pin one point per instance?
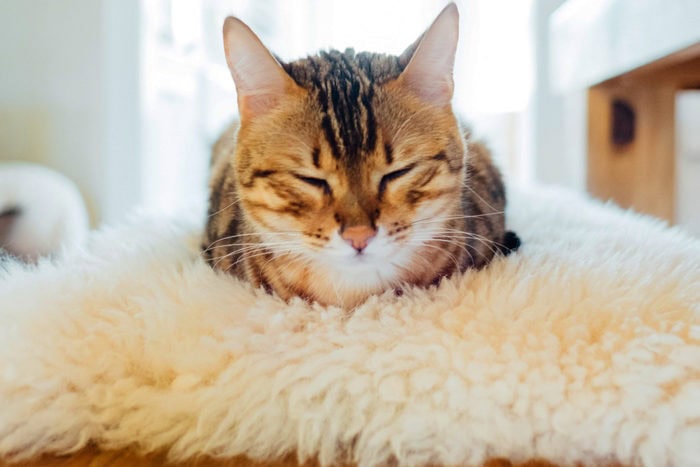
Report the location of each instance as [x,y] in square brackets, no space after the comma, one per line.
[95,458]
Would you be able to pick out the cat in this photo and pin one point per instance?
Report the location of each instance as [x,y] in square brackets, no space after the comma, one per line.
[349,173]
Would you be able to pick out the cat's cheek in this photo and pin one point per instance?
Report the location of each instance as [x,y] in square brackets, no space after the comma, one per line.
[435,207]
[392,215]
[261,199]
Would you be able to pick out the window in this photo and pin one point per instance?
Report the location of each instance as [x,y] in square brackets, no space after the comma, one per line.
[188,96]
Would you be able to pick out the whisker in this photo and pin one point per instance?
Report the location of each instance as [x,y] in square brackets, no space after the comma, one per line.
[273,249]
[428,264]
[226,245]
[466,250]
[221,258]
[466,236]
[234,202]
[247,256]
[454,235]
[450,255]
[230,237]
[278,253]
[428,220]
[447,231]
[450,241]
[244,252]
[465,185]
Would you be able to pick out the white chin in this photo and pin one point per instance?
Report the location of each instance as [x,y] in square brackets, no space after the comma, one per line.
[377,268]
[371,272]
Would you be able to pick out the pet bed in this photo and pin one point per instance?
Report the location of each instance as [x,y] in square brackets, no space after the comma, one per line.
[584,346]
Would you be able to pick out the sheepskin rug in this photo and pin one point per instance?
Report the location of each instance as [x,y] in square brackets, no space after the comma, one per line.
[582,347]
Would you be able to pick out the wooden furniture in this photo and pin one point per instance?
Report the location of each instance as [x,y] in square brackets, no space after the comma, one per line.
[93,458]
[632,56]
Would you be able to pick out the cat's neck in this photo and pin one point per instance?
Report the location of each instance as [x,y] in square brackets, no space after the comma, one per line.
[334,284]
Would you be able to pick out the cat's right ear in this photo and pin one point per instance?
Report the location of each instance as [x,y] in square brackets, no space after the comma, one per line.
[260,80]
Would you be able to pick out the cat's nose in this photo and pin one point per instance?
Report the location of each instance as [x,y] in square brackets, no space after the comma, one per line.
[358,236]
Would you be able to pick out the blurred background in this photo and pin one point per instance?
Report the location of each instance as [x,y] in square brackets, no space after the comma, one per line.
[126,97]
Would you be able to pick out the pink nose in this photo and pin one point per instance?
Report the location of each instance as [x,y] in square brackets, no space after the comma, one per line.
[358,236]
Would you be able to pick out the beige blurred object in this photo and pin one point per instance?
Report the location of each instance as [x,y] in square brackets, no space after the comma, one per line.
[41,211]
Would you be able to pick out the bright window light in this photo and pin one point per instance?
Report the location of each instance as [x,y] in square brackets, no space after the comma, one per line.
[188,96]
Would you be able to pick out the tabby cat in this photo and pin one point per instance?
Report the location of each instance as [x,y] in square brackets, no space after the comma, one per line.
[349,174]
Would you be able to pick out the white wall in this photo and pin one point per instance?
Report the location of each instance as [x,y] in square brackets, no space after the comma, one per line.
[95,90]
[122,168]
[688,160]
[66,102]
[557,122]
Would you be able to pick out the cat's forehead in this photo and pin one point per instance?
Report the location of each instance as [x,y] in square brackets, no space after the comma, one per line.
[344,66]
[344,85]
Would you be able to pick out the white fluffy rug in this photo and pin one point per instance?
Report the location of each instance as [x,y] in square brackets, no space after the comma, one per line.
[582,347]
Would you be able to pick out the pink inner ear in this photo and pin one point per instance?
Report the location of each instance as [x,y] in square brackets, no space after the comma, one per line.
[429,72]
[250,106]
[438,92]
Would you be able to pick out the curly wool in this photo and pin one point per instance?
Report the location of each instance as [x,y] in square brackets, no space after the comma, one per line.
[582,347]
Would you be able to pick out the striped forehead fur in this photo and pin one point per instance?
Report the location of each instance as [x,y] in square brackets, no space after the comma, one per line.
[344,85]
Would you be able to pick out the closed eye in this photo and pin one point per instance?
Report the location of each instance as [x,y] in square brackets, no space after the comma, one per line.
[392,176]
[317,182]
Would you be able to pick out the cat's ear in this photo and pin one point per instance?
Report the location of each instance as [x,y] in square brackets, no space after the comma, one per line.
[260,80]
[431,59]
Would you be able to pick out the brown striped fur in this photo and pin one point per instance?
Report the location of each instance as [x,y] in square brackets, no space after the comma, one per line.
[350,143]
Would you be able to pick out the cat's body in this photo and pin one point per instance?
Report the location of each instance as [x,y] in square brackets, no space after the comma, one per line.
[349,174]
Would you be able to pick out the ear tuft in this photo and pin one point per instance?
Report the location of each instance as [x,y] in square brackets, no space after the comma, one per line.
[260,80]
[428,74]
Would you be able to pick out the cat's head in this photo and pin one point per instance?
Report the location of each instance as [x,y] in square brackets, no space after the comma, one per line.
[348,161]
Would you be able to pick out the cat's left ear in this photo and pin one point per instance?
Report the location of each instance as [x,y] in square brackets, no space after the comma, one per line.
[428,74]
